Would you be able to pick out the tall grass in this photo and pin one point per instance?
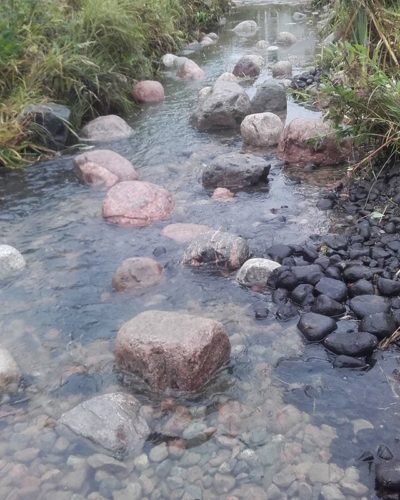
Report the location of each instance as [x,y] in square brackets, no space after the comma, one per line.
[83,53]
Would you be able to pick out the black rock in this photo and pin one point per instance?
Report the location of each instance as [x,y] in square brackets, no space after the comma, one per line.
[388,287]
[286,279]
[325,204]
[280,296]
[53,120]
[307,274]
[394,245]
[303,295]
[357,253]
[364,229]
[158,251]
[343,361]
[274,276]
[279,252]
[309,253]
[379,253]
[315,327]
[366,456]
[364,305]
[384,453]
[390,228]
[387,475]
[396,316]
[361,287]
[347,326]
[286,311]
[327,306]
[336,241]
[379,324]
[355,273]
[260,310]
[333,272]
[351,344]
[323,261]
[334,289]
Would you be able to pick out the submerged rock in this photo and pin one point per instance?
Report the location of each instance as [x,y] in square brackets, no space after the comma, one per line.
[138,204]
[107,128]
[222,194]
[282,69]
[171,350]
[248,66]
[113,421]
[316,327]
[246,28]
[148,91]
[184,232]
[388,475]
[189,70]
[255,272]
[285,38]
[137,272]
[261,129]
[11,261]
[10,374]
[351,344]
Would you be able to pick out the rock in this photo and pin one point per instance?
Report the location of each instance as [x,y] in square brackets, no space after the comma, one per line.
[246,28]
[261,129]
[184,233]
[11,261]
[298,17]
[138,204]
[53,119]
[159,453]
[316,327]
[227,77]
[334,289]
[148,91]
[219,249]
[379,324]
[361,287]
[213,36]
[306,141]
[327,306]
[104,462]
[388,475]
[236,171]
[223,483]
[262,45]
[132,492]
[388,288]
[279,252]
[255,272]
[248,66]
[137,272]
[348,362]
[10,374]
[172,350]
[189,70]
[303,295]
[170,60]
[112,421]
[357,272]
[286,311]
[222,194]
[351,344]
[104,167]
[207,41]
[269,97]
[224,106]
[310,274]
[384,452]
[282,69]
[106,128]
[364,305]
[285,38]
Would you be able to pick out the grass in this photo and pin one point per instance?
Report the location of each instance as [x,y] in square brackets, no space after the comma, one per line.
[85,54]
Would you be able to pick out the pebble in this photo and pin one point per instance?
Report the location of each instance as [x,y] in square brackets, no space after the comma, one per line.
[159,453]
[104,462]
[141,462]
[223,483]
[132,492]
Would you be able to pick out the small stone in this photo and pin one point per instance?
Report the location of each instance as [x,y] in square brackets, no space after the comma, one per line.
[223,483]
[132,492]
[255,272]
[319,473]
[315,327]
[282,69]
[285,38]
[10,374]
[159,453]
[104,462]
[388,475]
[11,261]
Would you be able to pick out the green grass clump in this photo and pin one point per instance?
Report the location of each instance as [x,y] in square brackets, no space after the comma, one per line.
[85,54]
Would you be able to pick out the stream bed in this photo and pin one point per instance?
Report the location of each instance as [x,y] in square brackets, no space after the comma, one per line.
[285,423]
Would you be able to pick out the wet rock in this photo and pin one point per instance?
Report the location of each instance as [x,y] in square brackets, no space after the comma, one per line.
[189,70]
[327,306]
[106,128]
[137,272]
[255,272]
[325,204]
[306,141]
[246,28]
[207,41]
[310,274]
[223,106]
[219,249]
[159,453]
[348,362]
[10,374]
[298,17]
[148,91]
[104,462]
[388,475]
[356,273]
[169,60]
[11,261]
[303,295]
[351,344]
[334,289]
[138,204]
[279,252]
[53,119]
[269,97]
[104,167]
[222,194]
[280,296]
[227,77]
[262,45]
[388,288]
[112,421]
[361,287]
[248,66]
[285,38]
[172,350]
[261,129]
[282,69]
[336,241]
[236,171]
[384,453]
[316,327]
[223,483]
[184,232]
[364,305]
[132,492]
[333,272]
[379,324]
[286,311]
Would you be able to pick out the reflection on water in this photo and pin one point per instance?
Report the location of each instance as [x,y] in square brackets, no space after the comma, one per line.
[278,423]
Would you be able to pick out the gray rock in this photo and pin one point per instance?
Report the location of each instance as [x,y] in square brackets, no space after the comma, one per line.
[10,374]
[236,171]
[170,60]
[113,421]
[106,128]
[11,261]
[223,106]
[282,69]
[285,38]
[248,66]
[255,272]
[298,17]
[53,119]
[132,492]
[364,305]
[271,97]
[246,28]
[351,344]
[159,453]
[104,462]
[261,129]
[388,475]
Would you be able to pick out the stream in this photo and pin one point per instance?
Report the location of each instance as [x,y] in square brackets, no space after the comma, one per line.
[286,424]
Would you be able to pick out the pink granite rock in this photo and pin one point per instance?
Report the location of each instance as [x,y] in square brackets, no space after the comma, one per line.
[137,272]
[184,233]
[189,70]
[222,194]
[148,91]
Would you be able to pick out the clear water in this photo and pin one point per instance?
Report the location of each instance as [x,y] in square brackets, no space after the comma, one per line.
[278,411]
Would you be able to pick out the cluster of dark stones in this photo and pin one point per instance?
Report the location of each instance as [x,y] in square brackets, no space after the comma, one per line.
[306,79]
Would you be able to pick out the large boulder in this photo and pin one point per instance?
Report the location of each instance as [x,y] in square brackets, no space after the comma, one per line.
[269,97]
[10,374]
[185,232]
[246,28]
[218,249]
[148,91]
[222,106]
[282,69]
[236,171]
[171,350]
[137,272]
[170,60]
[306,141]
[248,66]
[261,129]
[138,204]
[255,272]
[11,261]
[106,128]
[53,119]
[189,70]
[113,421]
[102,167]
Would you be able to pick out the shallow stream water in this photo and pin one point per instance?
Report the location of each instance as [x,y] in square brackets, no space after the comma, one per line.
[286,423]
